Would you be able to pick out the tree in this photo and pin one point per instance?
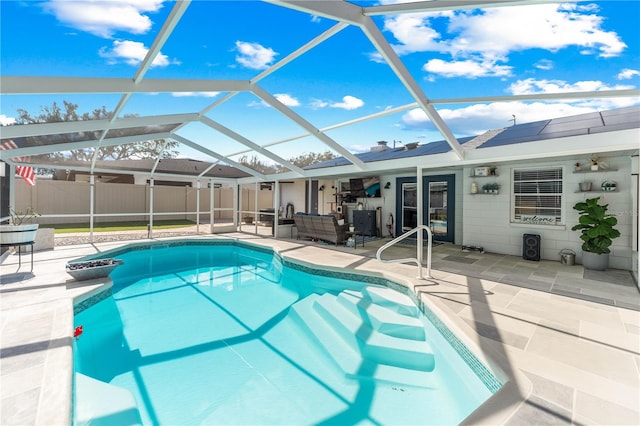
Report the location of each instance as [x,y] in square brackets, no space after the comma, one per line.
[54,114]
[257,165]
[301,160]
[309,158]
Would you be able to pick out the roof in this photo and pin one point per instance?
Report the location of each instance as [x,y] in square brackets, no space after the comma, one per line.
[583,124]
[575,125]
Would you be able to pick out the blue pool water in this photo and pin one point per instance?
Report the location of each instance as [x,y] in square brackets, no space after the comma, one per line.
[223,334]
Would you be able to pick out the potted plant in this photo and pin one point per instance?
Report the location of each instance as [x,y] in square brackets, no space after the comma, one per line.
[597,163]
[490,188]
[596,232]
[247,219]
[351,227]
[17,232]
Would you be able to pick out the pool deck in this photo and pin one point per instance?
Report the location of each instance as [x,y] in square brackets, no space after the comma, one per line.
[565,359]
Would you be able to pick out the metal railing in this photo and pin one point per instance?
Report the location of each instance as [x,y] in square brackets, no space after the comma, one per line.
[418,259]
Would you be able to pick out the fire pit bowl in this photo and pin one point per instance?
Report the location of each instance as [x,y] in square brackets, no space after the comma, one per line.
[91,269]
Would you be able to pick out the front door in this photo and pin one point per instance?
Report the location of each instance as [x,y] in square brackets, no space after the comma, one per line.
[438,210]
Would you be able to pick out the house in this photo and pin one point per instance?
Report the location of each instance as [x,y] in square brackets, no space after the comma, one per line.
[513,182]
[537,169]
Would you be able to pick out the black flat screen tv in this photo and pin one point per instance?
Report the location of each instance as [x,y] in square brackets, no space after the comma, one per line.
[366,187]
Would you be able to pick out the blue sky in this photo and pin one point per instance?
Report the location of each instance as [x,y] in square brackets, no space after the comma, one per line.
[492,52]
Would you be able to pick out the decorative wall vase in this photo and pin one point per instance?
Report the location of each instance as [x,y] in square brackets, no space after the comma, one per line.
[585,186]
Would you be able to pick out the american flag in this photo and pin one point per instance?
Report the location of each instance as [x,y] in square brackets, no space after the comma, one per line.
[26,172]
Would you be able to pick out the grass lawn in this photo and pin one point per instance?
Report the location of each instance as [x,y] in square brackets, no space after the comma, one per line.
[66,228]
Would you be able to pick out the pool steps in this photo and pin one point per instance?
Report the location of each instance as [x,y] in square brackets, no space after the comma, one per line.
[392,300]
[99,403]
[403,326]
[366,338]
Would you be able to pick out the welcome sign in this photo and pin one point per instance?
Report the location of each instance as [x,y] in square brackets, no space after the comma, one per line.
[535,219]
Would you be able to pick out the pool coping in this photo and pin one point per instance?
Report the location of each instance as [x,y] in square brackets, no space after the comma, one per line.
[554,350]
[504,400]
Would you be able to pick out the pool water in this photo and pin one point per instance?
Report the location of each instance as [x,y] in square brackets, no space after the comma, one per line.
[228,335]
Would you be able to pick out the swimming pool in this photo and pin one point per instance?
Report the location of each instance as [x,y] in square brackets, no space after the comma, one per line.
[228,334]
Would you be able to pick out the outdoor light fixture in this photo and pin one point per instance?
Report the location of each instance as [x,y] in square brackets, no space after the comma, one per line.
[388,185]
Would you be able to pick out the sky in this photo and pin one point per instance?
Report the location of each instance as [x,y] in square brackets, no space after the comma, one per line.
[545,48]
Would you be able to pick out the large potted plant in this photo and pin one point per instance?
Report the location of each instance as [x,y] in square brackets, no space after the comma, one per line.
[597,232]
[18,232]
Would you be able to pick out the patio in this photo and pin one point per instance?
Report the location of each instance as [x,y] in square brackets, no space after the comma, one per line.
[564,359]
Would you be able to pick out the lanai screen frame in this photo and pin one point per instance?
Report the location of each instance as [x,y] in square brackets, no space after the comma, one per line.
[345,14]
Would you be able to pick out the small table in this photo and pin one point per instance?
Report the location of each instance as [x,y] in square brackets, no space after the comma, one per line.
[355,235]
[18,245]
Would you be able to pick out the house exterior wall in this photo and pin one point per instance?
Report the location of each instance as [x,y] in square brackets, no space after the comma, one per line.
[487,218]
[292,193]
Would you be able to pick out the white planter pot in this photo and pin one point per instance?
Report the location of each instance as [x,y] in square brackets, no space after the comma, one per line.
[17,234]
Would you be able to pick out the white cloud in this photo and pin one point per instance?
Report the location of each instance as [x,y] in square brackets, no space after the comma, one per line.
[358,148]
[104,18]
[287,99]
[5,121]
[476,119]
[132,53]
[494,33]
[254,55]
[544,64]
[467,68]
[414,32]
[348,103]
[553,27]
[195,94]
[532,86]
[318,103]
[627,74]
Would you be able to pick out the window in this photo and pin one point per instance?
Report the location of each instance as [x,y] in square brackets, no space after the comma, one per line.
[537,196]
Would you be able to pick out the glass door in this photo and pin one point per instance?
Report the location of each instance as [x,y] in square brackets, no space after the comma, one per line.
[409,212]
[437,202]
[438,205]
